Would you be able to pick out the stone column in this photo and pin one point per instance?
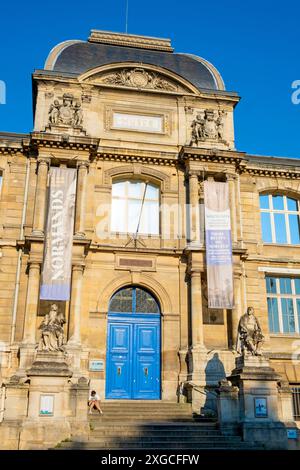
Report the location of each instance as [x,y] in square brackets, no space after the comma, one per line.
[236,312]
[238,210]
[40,197]
[198,350]
[75,306]
[233,208]
[196,310]
[194,234]
[31,303]
[81,198]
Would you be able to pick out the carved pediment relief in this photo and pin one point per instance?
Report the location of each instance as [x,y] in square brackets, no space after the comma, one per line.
[138,78]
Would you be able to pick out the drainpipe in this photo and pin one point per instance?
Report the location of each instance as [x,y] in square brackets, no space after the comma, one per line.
[21,237]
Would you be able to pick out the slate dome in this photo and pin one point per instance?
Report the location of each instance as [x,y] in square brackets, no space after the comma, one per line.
[103,48]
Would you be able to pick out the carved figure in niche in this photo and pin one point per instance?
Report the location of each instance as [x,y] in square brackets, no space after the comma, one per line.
[69,113]
[52,332]
[250,337]
[208,124]
[54,112]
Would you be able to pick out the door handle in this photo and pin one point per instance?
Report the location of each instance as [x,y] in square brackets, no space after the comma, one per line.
[119,371]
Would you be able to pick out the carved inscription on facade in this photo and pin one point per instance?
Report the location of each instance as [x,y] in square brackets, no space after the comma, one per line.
[137,122]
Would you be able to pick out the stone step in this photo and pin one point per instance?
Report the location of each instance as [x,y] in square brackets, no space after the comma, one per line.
[179,445]
[167,427]
[142,419]
[154,432]
[166,439]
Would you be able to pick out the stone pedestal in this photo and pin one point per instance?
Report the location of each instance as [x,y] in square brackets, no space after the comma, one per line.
[259,408]
[197,380]
[49,378]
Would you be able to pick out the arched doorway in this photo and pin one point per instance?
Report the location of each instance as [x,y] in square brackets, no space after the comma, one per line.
[133,346]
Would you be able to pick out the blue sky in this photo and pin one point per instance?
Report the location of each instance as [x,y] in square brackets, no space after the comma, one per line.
[254,44]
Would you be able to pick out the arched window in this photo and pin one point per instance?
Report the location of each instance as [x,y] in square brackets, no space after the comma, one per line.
[279,219]
[135,207]
[133,300]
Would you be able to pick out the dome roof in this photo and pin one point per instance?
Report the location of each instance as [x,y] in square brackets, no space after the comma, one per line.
[102,48]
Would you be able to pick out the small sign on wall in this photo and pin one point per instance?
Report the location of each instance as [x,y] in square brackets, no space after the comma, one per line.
[96,365]
[292,434]
[260,407]
[46,405]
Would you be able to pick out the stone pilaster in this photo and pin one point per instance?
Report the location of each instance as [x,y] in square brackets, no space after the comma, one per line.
[194,212]
[75,306]
[196,310]
[237,309]
[233,208]
[31,303]
[40,197]
[81,198]
[27,348]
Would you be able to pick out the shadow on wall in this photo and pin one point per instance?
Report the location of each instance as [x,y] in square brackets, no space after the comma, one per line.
[214,373]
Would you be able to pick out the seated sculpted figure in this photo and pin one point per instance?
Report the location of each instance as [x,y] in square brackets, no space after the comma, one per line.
[250,337]
[52,336]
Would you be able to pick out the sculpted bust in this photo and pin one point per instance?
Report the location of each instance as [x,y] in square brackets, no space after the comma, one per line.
[52,335]
[250,337]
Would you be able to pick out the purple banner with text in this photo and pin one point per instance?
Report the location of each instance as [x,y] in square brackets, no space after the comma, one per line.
[218,245]
[56,272]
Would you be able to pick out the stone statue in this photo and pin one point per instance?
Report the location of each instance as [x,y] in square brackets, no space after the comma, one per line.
[197,129]
[52,336]
[54,112]
[69,113]
[77,118]
[207,125]
[250,337]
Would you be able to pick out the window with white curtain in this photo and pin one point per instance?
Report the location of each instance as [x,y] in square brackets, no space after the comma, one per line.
[135,206]
[279,219]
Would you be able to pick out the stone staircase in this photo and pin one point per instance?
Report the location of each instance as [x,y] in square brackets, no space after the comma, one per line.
[151,425]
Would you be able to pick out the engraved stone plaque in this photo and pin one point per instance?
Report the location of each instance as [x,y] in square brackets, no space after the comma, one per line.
[138,122]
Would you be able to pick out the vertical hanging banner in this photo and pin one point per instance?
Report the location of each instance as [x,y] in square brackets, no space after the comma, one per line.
[218,245]
[56,272]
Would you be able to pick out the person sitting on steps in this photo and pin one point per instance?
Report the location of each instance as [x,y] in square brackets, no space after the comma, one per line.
[94,402]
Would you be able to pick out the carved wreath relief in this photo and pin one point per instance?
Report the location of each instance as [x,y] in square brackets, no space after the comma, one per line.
[208,125]
[139,78]
[67,113]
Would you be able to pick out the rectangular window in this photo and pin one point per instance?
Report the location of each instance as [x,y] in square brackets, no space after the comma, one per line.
[266,227]
[279,219]
[296,402]
[283,298]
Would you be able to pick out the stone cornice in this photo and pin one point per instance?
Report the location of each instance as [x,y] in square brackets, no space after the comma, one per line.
[119,249]
[273,171]
[133,156]
[197,154]
[65,141]
[131,40]
[11,143]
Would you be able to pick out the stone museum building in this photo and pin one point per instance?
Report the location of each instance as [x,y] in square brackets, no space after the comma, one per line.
[134,236]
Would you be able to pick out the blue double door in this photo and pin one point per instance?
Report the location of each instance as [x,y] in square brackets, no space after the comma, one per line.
[133,357]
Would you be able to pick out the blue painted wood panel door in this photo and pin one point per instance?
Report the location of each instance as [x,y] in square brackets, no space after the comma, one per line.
[133,357]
